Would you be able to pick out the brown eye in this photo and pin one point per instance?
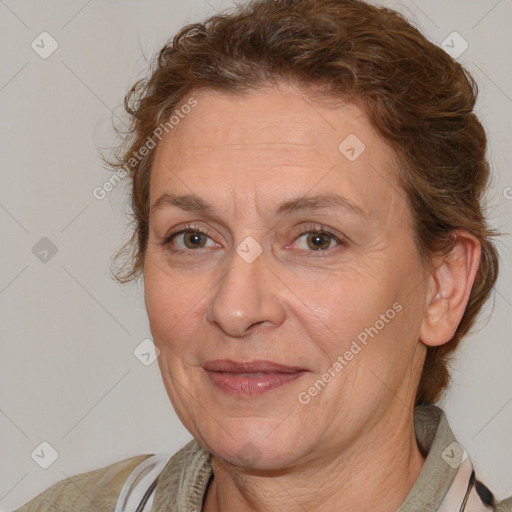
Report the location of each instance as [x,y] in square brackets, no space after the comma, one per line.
[194,239]
[319,241]
[189,239]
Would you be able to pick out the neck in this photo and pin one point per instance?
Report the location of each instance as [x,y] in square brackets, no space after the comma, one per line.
[376,473]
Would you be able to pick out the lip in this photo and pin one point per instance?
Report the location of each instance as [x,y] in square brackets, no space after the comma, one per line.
[256,366]
[249,378]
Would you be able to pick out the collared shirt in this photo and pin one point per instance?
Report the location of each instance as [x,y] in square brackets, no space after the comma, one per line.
[179,483]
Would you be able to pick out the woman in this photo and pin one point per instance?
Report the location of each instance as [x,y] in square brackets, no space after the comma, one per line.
[307,183]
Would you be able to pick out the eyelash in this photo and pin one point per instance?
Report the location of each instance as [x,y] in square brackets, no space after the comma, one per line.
[303,230]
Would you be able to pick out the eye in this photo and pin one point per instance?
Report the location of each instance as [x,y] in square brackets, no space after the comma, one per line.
[188,239]
[318,238]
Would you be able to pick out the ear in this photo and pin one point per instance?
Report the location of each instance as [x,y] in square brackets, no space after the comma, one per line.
[449,288]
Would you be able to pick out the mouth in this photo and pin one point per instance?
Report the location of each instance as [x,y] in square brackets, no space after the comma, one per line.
[252,377]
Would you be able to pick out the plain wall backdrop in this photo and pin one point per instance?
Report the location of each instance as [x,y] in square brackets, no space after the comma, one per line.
[68,373]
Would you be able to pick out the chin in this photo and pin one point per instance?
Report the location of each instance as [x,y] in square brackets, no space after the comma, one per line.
[257,448]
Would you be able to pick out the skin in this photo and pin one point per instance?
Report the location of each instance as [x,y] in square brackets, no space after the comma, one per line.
[354,442]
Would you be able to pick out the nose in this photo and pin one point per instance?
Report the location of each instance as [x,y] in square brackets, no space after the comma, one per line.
[247,295]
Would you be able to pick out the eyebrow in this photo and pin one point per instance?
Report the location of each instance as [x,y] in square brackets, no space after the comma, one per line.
[196,204]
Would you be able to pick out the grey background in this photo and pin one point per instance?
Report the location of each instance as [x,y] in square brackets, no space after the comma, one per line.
[68,375]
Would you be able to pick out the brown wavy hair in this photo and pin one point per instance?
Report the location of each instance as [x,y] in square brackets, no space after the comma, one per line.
[416,96]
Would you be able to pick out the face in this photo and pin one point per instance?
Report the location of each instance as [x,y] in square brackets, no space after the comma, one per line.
[294,246]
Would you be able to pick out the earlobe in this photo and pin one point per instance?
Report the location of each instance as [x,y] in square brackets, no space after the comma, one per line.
[451,281]
[435,326]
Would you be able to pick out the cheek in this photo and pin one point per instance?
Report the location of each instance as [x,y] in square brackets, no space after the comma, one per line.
[173,307]
[367,318]
[341,304]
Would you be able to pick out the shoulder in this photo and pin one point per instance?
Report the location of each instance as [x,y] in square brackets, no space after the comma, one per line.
[447,480]
[184,480]
[94,491]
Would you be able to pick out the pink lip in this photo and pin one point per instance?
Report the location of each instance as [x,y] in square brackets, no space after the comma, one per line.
[258,366]
[232,376]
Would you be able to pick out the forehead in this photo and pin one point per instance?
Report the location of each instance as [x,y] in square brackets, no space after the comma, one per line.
[265,119]
[268,141]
